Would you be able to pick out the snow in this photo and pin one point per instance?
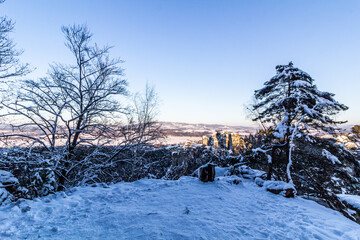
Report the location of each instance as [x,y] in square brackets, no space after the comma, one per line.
[182,209]
[277,185]
[310,112]
[219,171]
[5,196]
[353,200]
[281,129]
[249,173]
[265,152]
[331,157]
[301,83]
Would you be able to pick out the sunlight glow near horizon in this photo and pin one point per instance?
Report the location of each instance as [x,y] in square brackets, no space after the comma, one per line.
[205,58]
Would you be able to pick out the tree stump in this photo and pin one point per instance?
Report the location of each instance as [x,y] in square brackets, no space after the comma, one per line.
[207,173]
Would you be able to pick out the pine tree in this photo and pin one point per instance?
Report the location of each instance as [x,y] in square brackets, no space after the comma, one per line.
[293,105]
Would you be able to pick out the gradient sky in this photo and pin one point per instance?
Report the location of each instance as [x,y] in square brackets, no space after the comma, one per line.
[205,58]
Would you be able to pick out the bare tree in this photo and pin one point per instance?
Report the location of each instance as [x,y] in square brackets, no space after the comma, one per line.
[88,87]
[36,105]
[145,113]
[10,65]
[142,127]
[75,102]
[79,104]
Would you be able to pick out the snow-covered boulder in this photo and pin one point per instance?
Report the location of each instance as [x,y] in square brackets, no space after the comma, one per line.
[249,173]
[352,200]
[277,187]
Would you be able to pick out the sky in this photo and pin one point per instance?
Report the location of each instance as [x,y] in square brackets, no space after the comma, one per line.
[204,57]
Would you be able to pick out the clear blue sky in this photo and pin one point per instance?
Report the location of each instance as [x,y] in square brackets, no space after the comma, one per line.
[204,57]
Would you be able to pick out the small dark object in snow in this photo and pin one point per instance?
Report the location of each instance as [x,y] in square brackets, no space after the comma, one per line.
[275,191]
[289,193]
[207,173]
[152,213]
[54,229]
[25,209]
[236,181]
[187,211]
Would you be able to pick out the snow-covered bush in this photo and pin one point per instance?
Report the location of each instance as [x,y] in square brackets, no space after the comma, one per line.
[7,183]
[27,174]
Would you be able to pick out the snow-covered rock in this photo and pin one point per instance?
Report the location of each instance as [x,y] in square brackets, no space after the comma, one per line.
[287,189]
[249,173]
[352,200]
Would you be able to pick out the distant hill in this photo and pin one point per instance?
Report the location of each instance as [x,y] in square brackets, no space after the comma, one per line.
[179,133]
[201,129]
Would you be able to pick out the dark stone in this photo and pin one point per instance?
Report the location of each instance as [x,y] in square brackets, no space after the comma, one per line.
[207,173]
[289,193]
[236,181]
[275,191]
[230,145]
[210,142]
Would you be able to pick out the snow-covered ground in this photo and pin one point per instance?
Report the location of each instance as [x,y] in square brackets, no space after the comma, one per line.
[183,209]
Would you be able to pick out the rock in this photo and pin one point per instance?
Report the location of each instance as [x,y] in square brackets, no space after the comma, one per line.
[236,181]
[277,187]
[207,173]
[248,173]
[186,211]
[289,193]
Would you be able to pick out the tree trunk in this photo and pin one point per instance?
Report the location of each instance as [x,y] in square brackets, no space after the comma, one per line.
[287,149]
[268,177]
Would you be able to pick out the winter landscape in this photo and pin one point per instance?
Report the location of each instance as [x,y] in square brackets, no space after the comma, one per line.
[221,120]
